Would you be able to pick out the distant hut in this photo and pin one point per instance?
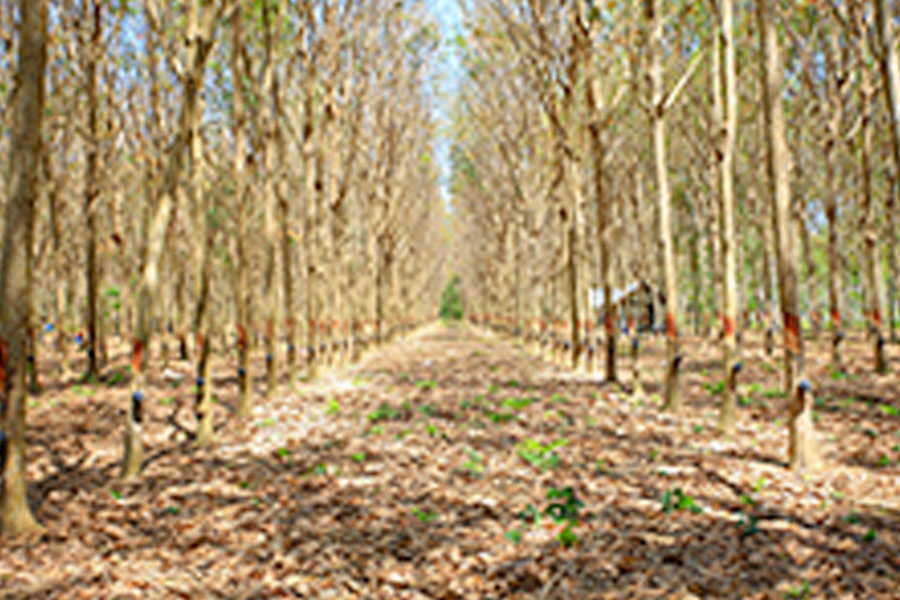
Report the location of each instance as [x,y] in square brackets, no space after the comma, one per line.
[638,301]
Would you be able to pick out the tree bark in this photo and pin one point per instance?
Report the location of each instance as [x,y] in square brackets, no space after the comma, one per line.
[803,453]
[673,401]
[16,263]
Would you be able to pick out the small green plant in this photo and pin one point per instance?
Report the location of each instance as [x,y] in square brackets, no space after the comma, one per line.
[559,399]
[801,591]
[474,465]
[268,422]
[715,388]
[426,516]
[499,417]
[870,536]
[564,511]
[654,454]
[852,518]
[432,430]
[512,383]
[698,429]
[884,461]
[426,384]
[676,500]
[116,494]
[115,379]
[334,407]
[358,457]
[385,412]
[283,452]
[538,455]
[772,393]
[167,400]
[889,410]
[518,403]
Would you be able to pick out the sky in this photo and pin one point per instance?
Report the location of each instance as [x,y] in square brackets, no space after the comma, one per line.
[448,15]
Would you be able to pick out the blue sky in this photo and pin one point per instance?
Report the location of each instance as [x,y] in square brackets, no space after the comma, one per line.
[448,15]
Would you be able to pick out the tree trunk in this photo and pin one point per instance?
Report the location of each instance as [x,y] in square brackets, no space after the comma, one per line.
[890,69]
[803,452]
[199,42]
[726,139]
[868,224]
[16,263]
[92,192]
[673,401]
[245,381]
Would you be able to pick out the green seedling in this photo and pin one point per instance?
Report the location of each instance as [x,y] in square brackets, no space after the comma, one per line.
[559,399]
[475,464]
[116,378]
[870,536]
[884,461]
[432,430]
[426,384]
[676,500]
[564,511]
[538,455]
[269,422]
[385,412]
[714,388]
[799,592]
[334,407]
[426,516]
[698,429]
[512,383]
[492,388]
[499,417]
[889,410]
[358,457]
[518,403]
[514,535]
[283,452]
[116,494]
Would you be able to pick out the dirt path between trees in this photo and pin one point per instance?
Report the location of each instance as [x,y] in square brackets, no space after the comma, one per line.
[454,464]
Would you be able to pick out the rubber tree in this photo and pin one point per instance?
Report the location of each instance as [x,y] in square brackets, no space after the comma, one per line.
[16,262]
[199,39]
[803,452]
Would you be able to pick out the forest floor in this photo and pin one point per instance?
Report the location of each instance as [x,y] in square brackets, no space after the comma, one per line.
[456,464]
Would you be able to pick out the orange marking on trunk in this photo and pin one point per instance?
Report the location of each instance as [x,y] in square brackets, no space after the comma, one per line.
[242,337]
[671,327]
[608,323]
[4,357]
[137,356]
[729,327]
[835,318]
[270,329]
[792,331]
[199,339]
[876,317]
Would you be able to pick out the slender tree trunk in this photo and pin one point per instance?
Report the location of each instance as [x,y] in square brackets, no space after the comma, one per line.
[16,263]
[727,136]
[868,224]
[673,401]
[199,46]
[203,233]
[803,452]
[269,125]
[890,69]
[245,380]
[92,192]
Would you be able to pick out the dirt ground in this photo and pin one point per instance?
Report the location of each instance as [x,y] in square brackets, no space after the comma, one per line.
[456,464]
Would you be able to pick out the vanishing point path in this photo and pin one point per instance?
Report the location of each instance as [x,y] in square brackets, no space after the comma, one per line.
[452,464]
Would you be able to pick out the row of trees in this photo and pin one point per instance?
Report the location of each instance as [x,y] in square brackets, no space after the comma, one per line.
[191,172]
[740,159]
